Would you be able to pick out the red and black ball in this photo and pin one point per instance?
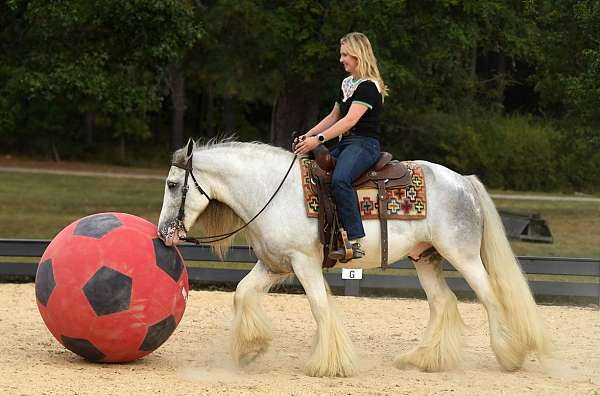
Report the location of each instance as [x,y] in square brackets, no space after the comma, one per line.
[108,288]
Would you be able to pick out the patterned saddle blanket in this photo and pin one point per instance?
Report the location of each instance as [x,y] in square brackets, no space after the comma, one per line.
[403,203]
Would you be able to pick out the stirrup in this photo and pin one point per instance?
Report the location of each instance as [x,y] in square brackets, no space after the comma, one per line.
[347,251]
[346,246]
[340,254]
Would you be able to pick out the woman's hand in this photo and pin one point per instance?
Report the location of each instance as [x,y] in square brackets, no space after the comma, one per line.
[297,140]
[306,144]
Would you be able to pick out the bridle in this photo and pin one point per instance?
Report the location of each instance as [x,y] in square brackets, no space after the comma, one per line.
[177,225]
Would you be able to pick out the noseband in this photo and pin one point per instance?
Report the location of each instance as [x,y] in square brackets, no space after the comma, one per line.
[178,225]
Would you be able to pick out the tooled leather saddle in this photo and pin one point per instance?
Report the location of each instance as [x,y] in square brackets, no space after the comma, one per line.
[385,174]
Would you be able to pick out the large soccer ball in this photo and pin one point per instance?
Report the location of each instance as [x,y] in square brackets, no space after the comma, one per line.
[109,290]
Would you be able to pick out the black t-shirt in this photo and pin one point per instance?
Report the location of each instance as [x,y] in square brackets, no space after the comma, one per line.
[367,94]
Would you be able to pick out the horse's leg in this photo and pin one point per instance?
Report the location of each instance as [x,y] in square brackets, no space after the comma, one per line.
[251,330]
[440,347]
[523,328]
[460,231]
[332,354]
[509,351]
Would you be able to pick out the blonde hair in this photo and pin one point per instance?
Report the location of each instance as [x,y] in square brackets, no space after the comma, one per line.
[359,46]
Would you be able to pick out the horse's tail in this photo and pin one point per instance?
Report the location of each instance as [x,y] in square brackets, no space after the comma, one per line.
[508,282]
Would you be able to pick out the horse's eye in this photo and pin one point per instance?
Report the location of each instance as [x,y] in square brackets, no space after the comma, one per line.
[171,185]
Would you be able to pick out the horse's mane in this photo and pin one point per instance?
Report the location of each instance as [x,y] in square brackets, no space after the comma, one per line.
[218,218]
[180,155]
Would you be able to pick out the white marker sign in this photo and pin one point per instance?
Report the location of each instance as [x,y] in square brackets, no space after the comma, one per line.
[351,273]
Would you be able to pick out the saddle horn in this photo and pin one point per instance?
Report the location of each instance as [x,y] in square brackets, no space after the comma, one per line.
[324,158]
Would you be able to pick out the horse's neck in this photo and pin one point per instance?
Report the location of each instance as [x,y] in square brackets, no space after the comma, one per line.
[245,180]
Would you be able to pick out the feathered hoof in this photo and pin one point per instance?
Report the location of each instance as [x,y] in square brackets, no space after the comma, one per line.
[510,359]
[247,351]
[425,359]
[510,354]
[335,366]
[333,354]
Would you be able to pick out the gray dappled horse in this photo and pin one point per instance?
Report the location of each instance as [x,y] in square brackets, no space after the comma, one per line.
[234,181]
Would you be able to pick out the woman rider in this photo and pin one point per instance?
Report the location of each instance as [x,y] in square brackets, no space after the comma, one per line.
[355,118]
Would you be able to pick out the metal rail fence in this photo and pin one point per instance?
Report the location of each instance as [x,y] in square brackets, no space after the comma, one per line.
[582,275]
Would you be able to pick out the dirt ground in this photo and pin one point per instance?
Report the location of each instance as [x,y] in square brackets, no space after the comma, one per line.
[195,360]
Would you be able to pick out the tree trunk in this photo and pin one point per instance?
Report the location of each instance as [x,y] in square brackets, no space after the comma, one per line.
[177,88]
[295,109]
[199,113]
[206,112]
[122,150]
[157,127]
[473,79]
[90,125]
[229,105]
[501,74]
[473,65]
[55,153]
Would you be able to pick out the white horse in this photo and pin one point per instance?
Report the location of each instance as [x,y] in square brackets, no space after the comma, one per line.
[462,224]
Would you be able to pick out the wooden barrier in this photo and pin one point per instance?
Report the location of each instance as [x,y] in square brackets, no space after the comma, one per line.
[587,270]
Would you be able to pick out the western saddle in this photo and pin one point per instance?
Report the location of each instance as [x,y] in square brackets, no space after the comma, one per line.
[385,174]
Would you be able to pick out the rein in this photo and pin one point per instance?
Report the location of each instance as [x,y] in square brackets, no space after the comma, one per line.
[214,238]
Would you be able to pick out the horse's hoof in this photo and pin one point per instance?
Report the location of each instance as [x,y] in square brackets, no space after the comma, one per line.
[251,354]
[323,372]
[421,362]
[401,363]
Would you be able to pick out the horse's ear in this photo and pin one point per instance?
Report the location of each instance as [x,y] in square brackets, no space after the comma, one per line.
[190,147]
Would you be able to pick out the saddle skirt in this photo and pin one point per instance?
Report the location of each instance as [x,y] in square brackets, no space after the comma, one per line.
[406,196]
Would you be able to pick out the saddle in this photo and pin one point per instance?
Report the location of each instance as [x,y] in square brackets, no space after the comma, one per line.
[385,174]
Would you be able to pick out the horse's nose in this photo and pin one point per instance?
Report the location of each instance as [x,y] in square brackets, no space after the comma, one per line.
[169,233]
[162,231]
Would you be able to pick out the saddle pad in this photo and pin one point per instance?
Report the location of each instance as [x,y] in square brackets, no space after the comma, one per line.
[404,203]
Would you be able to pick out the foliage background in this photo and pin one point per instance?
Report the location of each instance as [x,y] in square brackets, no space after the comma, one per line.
[508,90]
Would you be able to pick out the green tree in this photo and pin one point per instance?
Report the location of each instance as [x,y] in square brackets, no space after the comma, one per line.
[567,58]
[568,81]
[108,58]
[274,52]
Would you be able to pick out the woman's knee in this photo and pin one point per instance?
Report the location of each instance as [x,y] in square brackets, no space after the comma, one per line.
[340,181]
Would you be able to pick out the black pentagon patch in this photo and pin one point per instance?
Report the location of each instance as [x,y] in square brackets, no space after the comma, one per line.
[158,333]
[108,291]
[96,226]
[167,259]
[83,348]
[44,282]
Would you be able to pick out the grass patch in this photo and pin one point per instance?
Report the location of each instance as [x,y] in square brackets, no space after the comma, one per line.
[552,193]
[38,206]
[574,225]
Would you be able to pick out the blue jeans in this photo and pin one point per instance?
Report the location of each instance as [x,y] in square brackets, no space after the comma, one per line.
[355,155]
